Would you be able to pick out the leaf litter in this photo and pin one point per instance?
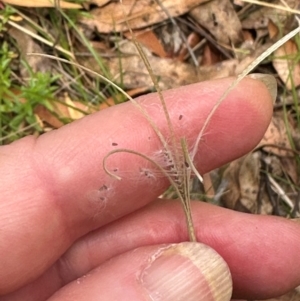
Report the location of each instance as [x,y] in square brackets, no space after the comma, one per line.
[265,181]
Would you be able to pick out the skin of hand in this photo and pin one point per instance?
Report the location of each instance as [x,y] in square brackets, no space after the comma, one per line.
[69,231]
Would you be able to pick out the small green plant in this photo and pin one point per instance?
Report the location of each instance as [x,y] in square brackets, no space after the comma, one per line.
[5,14]
[19,96]
[18,103]
[6,106]
[5,58]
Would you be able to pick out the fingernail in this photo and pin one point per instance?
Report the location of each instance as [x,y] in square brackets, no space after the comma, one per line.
[187,271]
[269,81]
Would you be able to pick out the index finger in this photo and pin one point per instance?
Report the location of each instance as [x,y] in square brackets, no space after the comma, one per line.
[58,181]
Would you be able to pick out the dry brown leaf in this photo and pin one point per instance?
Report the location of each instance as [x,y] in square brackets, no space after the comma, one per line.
[43,3]
[287,65]
[276,134]
[149,40]
[242,178]
[192,40]
[170,73]
[273,29]
[120,97]
[290,167]
[248,181]
[141,13]
[247,37]
[241,185]
[210,57]
[69,109]
[100,46]
[220,19]
[285,62]
[46,116]
[74,109]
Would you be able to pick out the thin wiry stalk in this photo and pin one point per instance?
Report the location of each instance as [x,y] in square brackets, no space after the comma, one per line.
[182,183]
[173,152]
[164,106]
[186,201]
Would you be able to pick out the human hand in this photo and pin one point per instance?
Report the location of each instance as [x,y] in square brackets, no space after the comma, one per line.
[68,229]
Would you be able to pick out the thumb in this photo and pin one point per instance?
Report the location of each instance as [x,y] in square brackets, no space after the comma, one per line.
[188,271]
[185,271]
